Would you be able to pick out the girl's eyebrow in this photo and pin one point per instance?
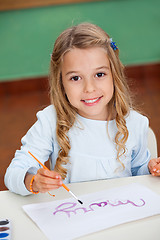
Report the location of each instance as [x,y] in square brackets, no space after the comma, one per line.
[98,68]
[71,72]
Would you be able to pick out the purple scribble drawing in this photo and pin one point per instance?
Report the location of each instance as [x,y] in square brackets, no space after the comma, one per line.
[70,207]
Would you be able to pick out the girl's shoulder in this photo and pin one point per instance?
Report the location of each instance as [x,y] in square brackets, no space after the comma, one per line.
[136,119]
[48,112]
[136,115]
[47,115]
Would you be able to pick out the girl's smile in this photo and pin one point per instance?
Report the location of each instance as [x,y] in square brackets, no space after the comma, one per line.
[91,102]
[87,81]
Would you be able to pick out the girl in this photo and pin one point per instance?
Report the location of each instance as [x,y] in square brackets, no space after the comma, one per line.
[91,131]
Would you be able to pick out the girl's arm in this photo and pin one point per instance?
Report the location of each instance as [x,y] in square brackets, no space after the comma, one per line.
[140,152]
[39,140]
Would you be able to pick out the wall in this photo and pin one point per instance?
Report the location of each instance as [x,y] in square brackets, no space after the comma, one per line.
[27,36]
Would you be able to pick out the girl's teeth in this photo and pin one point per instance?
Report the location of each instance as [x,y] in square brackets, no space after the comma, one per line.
[91,101]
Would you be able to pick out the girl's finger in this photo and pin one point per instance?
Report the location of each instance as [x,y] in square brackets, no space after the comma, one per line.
[45,183]
[50,179]
[152,163]
[156,174]
[47,188]
[157,160]
[51,174]
[156,168]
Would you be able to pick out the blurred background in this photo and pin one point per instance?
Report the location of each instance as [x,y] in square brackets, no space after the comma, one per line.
[28,30]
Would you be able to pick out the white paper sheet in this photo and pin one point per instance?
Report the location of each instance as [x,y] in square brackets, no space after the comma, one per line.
[67,219]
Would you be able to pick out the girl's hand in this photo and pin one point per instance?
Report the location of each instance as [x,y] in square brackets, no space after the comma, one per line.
[44,181]
[154,166]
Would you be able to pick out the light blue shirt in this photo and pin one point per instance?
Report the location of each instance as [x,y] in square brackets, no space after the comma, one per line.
[92,155]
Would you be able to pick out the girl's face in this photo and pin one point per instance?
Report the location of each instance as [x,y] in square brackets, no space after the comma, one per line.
[87,81]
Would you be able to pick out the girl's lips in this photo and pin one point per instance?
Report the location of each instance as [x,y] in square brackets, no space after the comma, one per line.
[91,102]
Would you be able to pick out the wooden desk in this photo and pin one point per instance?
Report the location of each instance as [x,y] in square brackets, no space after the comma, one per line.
[24,228]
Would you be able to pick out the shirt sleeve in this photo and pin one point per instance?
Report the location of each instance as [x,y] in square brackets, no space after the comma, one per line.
[39,141]
[140,154]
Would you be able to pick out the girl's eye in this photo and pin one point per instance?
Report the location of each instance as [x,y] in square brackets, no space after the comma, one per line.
[75,78]
[99,75]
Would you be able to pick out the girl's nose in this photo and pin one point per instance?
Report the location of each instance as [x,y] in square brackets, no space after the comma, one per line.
[89,86]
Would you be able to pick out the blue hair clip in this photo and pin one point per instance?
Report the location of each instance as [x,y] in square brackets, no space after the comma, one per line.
[113,45]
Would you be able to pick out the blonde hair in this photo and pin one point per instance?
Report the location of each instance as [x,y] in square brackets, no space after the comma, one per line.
[86,35]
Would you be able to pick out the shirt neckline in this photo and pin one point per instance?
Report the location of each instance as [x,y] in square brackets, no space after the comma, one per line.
[93,120]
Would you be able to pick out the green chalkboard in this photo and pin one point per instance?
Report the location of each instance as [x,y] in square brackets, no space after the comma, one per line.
[27,36]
